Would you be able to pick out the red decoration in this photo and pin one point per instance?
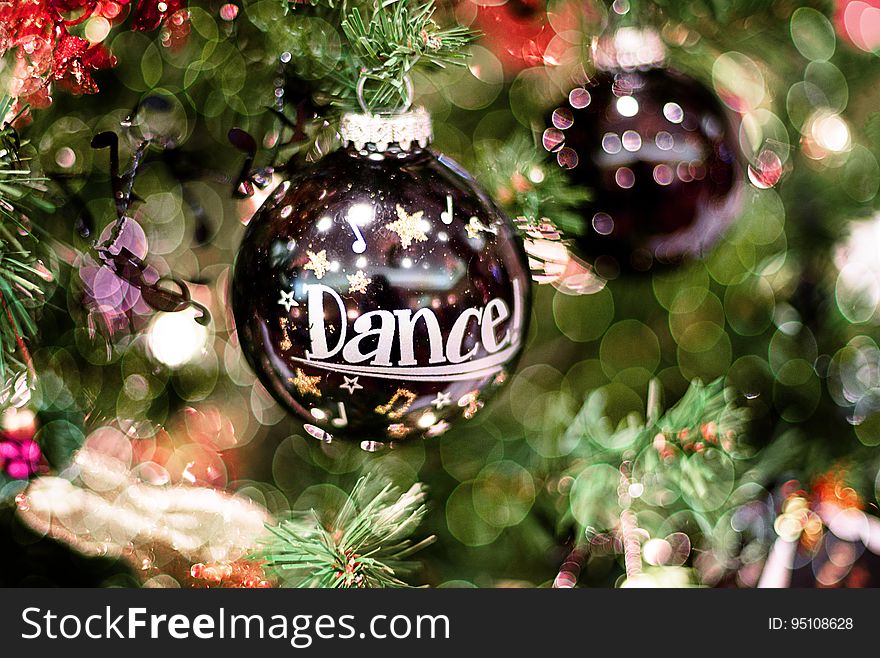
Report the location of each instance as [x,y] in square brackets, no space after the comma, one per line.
[831,487]
[175,31]
[241,574]
[38,32]
[150,14]
[517,32]
[74,59]
[521,33]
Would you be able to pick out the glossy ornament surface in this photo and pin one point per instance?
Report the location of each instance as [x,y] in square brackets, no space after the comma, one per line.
[658,152]
[380,295]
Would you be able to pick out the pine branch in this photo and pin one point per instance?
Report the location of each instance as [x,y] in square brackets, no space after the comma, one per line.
[384,42]
[676,452]
[518,176]
[366,545]
[19,281]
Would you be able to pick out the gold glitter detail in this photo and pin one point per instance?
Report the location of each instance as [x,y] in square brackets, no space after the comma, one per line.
[285,343]
[386,409]
[318,263]
[398,430]
[358,282]
[304,384]
[408,227]
[471,403]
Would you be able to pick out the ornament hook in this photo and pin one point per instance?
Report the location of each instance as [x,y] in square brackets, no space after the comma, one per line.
[118,258]
[408,94]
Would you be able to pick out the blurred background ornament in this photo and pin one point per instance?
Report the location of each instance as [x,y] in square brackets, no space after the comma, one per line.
[656,148]
[380,294]
[20,455]
[292,138]
[99,507]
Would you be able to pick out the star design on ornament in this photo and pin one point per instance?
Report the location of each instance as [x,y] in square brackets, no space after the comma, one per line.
[358,282]
[318,263]
[442,400]
[287,300]
[351,384]
[408,227]
[475,226]
[306,385]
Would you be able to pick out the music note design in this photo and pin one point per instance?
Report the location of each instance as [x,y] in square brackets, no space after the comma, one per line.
[475,226]
[359,246]
[342,421]
[388,409]
[446,215]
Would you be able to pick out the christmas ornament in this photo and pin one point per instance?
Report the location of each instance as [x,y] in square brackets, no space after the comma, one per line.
[657,151]
[20,456]
[19,459]
[380,294]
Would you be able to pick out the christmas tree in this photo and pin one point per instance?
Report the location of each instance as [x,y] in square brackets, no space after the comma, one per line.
[445,293]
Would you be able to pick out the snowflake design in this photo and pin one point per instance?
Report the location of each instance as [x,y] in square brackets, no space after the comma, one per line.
[318,263]
[408,227]
[358,282]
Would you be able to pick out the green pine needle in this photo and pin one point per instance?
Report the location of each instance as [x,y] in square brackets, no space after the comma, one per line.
[20,290]
[384,43]
[518,175]
[679,452]
[366,545]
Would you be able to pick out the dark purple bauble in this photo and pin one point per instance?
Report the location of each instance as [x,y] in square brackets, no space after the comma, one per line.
[380,295]
[658,153]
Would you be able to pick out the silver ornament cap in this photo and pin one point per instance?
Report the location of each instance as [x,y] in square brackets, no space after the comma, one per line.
[408,130]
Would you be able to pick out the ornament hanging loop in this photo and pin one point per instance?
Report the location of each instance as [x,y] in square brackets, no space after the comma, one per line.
[408,94]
